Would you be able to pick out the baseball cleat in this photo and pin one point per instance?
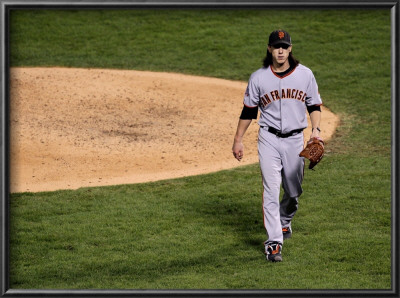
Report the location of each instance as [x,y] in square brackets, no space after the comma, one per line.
[273,251]
[287,232]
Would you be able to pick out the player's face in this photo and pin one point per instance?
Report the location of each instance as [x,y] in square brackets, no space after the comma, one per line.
[280,53]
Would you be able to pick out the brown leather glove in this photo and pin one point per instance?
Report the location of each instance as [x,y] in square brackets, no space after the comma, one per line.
[314,151]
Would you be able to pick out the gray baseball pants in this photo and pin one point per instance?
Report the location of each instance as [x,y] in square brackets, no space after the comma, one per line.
[280,165]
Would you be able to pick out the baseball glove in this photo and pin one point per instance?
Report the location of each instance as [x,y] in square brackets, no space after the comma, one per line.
[314,151]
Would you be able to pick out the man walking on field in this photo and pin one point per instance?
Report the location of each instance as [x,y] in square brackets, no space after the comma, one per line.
[283,90]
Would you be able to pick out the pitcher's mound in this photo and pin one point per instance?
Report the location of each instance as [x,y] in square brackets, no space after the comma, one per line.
[71,128]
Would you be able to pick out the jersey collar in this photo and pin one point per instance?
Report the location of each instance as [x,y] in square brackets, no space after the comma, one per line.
[287,73]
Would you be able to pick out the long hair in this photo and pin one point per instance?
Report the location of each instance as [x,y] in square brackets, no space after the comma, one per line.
[292,60]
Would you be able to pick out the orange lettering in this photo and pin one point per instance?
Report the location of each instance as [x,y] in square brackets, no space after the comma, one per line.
[265,100]
[277,94]
[300,95]
[283,93]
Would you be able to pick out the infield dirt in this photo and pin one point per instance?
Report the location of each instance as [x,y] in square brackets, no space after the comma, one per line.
[72,128]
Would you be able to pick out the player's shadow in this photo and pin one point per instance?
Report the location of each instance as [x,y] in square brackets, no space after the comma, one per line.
[235,211]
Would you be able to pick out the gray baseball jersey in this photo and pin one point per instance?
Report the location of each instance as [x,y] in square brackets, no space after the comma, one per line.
[282,101]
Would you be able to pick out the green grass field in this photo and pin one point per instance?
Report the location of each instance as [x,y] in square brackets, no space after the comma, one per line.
[206,232]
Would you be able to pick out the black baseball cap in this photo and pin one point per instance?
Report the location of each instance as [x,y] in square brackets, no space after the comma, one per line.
[279,37]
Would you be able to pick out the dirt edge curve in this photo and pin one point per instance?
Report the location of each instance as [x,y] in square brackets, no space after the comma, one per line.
[72,128]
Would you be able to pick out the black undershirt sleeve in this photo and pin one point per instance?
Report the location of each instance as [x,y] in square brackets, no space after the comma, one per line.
[313,108]
[249,113]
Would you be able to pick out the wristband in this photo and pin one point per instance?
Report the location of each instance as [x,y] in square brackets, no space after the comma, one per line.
[316,128]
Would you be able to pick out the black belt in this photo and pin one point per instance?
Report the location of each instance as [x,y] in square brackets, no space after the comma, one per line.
[278,133]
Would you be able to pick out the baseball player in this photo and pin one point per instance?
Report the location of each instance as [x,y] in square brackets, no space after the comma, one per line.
[283,90]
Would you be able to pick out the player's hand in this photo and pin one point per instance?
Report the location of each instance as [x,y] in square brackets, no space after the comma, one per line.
[237,150]
[318,138]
